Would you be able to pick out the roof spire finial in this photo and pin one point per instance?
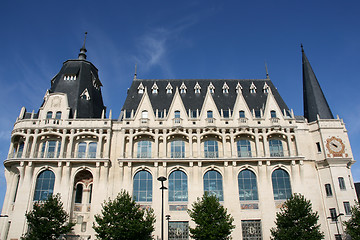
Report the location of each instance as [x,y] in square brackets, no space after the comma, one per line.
[267,72]
[82,54]
[135,74]
[302,47]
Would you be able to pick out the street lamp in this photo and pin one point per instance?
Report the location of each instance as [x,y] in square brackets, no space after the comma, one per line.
[168,219]
[162,179]
[335,218]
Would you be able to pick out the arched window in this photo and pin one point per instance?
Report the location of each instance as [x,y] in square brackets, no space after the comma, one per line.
[241,114]
[213,184]
[210,114]
[44,185]
[281,184]
[79,193]
[142,191]
[276,148]
[144,114]
[178,149]
[58,115]
[178,187]
[211,149]
[247,186]
[243,148]
[273,114]
[144,149]
[49,114]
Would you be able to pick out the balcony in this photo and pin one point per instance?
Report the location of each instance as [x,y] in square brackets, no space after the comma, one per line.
[144,122]
[243,121]
[177,121]
[210,122]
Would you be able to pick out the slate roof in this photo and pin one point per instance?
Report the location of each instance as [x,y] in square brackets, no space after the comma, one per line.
[86,77]
[193,101]
[314,99]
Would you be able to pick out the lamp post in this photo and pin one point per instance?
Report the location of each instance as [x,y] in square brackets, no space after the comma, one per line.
[335,218]
[162,179]
[168,219]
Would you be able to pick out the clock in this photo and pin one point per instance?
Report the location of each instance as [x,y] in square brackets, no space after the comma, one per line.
[335,146]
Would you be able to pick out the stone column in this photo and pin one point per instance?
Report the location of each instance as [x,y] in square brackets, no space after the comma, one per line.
[99,144]
[69,153]
[33,146]
[25,150]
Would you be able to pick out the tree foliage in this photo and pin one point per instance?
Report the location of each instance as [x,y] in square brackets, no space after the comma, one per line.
[353,224]
[297,221]
[211,219]
[47,220]
[123,219]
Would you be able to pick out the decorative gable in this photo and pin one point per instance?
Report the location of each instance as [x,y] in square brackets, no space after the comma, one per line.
[225,88]
[155,88]
[141,88]
[169,88]
[238,88]
[211,88]
[183,88]
[85,95]
[266,88]
[252,88]
[197,87]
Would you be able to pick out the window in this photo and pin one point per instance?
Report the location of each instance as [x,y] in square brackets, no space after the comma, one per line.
[154,91]
[79,193]
[243,148]
[342,183]
[17,188]
[49,115]
[144,114]
[142,191]
[347,208]
[281,184]
[226,113]
[144,149]
[193,113]
[318,147]
[247,186]
[178,230]
[251,229]
[333,214]
[211,149]
[209,114]
[276,148]
[87,150]
[178,187]
[160,114]
[177,149]
[241,114]
[273,114]
[50,149]
[90,193]
[177,117]
[213,184]
[20,150]
[44,185]
[58,115]
[182,90]
[257,114]
[328,190]
[127,114]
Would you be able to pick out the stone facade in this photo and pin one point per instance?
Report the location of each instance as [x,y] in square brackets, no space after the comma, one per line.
[251,158]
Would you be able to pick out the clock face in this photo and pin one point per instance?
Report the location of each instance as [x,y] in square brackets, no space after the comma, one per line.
[335,145]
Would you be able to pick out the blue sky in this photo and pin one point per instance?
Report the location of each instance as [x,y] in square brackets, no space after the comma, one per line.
[181,39]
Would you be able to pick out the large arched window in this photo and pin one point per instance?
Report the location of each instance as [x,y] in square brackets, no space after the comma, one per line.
[144,149]
[243,148]
[213,184]
[44,185]
[177,149]
[281,184]
[276,148]
[211,149]
[178,187]
[82,190]
[142,191]
[247,186]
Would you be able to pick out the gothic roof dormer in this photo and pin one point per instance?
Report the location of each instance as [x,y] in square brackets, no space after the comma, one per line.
[79,80]
[315,103]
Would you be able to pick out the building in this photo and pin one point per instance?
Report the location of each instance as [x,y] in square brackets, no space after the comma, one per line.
[235,138]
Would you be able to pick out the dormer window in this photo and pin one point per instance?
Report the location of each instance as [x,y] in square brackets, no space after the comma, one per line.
[211,88]
[154,89]
[49,115]
[226,113]
[197,88]
[238,88]
[141,88]
[266,88]
[241,114]
[273,114]
[183,88]
[169,88]
[70,77]
[252,88]
[225,88]
[85,95]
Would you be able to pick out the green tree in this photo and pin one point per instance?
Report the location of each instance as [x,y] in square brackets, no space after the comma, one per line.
[211,219]
[297,221]
[353,224]
[123,219]
[47,220]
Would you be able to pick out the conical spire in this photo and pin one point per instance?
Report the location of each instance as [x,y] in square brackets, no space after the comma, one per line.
[82,54]
[315,103]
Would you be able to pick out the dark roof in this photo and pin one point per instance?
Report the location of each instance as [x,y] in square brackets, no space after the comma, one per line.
[314,100]
[357,189]
[86,78]
[193,101]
